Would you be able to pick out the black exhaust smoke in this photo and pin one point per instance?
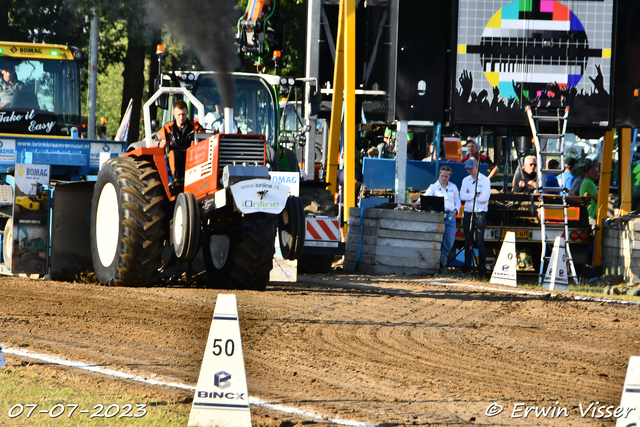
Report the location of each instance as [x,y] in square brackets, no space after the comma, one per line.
[207,28]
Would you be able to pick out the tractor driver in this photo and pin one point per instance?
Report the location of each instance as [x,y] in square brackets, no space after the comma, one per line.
[175,137]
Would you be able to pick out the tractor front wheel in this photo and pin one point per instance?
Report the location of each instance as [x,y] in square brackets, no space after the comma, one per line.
[126,229]
[186,226]
[249,259]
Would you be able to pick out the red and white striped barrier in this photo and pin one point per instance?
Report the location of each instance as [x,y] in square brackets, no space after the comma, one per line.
[322,232]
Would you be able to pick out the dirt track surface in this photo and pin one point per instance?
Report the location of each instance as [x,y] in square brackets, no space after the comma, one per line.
[368,349]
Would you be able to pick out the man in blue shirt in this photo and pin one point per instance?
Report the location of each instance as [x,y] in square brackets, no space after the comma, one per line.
[551,180]
[567,175]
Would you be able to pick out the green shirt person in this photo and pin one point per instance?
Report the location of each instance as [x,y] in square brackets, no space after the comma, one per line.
[589,188]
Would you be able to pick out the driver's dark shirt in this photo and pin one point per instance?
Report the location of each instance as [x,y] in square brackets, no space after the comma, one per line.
[177,138]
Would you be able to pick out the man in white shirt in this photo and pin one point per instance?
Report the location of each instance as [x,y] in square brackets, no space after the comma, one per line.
[443,188]
[475,193]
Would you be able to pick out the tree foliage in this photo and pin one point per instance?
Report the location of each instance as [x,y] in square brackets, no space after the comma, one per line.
[45,21]
[127,42]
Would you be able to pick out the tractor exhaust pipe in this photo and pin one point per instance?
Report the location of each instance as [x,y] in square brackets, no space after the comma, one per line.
[228,120]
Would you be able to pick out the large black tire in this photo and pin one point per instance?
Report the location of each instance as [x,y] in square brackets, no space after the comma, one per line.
[250,257]
[127,222]
[291,229]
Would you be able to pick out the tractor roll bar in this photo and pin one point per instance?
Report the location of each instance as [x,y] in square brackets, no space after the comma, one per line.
[161,91]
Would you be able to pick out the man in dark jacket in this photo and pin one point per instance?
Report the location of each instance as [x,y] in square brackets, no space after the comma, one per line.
[175,137]
[526,180]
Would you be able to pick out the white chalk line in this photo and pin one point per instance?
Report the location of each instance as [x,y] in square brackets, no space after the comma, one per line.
[159,382]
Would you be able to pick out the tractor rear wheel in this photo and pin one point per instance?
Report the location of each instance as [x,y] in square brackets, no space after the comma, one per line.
[249,259]
[127,222]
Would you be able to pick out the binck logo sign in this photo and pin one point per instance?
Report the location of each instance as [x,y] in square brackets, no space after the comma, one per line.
[222,379]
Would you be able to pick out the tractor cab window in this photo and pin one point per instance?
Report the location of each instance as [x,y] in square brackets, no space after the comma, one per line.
[39,96]
[254,109]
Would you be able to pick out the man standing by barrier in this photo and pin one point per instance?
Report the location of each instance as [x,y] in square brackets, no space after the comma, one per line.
[475,193]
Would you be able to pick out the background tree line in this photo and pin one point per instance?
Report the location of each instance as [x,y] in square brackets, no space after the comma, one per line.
[129,31]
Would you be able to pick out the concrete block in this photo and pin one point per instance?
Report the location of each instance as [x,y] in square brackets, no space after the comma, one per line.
[409,235]
[413,227]
[366,240]
[396,234]
[390,251]
[354,223]
[610,233]
[421,259]
[397,244]
[624,244]
[354,212]
[362,268]
[608,242]
[397,215]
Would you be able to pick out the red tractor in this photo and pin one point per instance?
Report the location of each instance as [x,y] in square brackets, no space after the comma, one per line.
[229,207]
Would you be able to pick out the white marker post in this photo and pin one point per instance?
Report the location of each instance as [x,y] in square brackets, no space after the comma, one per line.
[222,395]
[504,270]
[631,395]
[556,276]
